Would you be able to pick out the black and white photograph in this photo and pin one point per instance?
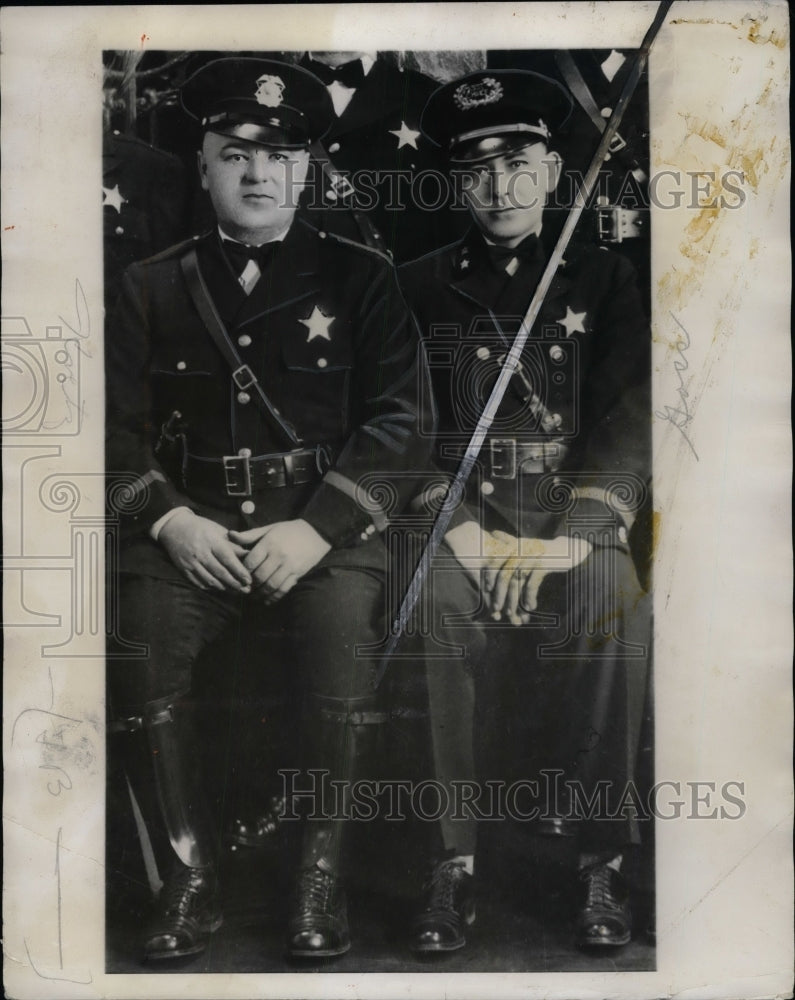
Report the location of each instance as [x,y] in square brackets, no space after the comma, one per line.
[397,635]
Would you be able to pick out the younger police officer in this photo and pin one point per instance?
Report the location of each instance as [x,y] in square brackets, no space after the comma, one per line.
[554,494]
[258,378]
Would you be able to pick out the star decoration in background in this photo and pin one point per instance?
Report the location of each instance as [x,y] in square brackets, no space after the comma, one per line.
[113,198]
[574,322]
[317,324]
[405,136]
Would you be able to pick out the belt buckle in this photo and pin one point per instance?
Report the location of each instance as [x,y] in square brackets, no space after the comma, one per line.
[237,473]
[342,186]
[243,377]
[503,458]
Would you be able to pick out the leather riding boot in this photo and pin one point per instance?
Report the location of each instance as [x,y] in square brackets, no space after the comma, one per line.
[341,734]
[161,764]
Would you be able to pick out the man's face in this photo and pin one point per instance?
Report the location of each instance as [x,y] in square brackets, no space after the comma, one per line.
[507,194]
[254,188]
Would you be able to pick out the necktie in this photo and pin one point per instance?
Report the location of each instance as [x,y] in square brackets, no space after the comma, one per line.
[501,257]
[350,74]
[247,262]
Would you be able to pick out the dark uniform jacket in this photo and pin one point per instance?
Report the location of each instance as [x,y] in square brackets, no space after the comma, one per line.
[329,337]
[363,138]
[585,450]
[145,204]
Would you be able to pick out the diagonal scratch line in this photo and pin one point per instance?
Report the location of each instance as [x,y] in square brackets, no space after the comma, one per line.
[456,490]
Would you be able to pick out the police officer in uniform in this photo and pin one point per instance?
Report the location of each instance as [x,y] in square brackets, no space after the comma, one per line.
[544,532]
[261,381]
[144,204]
[375,141]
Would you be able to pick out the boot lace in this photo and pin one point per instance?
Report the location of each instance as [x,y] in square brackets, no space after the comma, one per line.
[180,891]
[442,885]
[314,890]
[599,893]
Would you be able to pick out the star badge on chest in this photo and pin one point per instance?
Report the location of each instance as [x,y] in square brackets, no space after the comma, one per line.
[405,136]
[317,323]
[573,322]
[113,198]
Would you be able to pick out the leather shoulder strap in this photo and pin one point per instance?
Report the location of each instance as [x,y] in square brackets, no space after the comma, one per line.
[242,375]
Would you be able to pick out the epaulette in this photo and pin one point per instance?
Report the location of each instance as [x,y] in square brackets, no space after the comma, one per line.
[324,234]
[175,251]
[143,146]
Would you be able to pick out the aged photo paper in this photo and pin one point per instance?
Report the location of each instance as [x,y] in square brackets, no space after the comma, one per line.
[710,203]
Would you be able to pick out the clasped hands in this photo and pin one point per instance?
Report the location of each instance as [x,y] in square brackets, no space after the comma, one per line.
[266,561]
[510,570]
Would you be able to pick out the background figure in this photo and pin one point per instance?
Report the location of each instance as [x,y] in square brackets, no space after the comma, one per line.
[144,199]
[376,142]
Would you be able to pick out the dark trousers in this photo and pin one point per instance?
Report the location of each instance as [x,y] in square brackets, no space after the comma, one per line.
[558,702]
[562,699]
[321,620]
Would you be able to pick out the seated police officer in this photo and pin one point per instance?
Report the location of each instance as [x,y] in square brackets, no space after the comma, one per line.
[549,505]
[255,377]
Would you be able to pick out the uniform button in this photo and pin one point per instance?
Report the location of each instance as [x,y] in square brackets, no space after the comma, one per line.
[248,507]
[556,353]
[606,112]
[483,353]
[243,398]
[622,534]
[244,340]
[120,230]
[556,481]
[321,362]
[331,195]
[363,536]
[321,234]
[557,419]
[244,452]
[487,488]
[116,132]
[195,237]
[334,147]
[181,366]
[370,529]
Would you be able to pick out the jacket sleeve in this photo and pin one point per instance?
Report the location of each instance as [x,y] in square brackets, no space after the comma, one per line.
[393,421]
[142,485]
[612,454]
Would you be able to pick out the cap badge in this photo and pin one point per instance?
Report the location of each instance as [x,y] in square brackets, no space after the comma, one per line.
[474,95]
[270,90]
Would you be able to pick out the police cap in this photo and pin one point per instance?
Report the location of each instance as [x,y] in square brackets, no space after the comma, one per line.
[260,100]
[491,112]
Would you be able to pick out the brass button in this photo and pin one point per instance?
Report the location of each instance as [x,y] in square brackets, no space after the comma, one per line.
[244,452]
[483,353]
[248,507]
[556,353]
[120,230]
[181,366]
[243,398]
[622,534]
[322,363]
[244,340]
[334,147]
[487,488]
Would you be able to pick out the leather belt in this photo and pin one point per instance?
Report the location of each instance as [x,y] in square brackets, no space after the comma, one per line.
[510,457]
[243,475]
